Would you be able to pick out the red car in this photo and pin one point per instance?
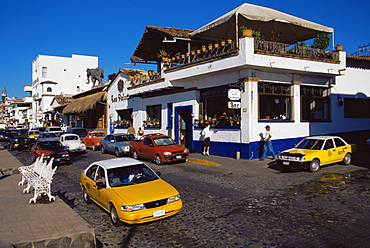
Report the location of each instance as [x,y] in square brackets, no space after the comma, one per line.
[92,139]
[51,148]
[158,147]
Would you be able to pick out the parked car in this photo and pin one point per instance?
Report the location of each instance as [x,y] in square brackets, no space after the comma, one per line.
[158,148]
[45,135]
[317,151]
[51,148]
[3,135]
[54,129]
[72,142]
[118,144]
[80,131]
[18,139]
[129,190]
[92,139]
[33,134]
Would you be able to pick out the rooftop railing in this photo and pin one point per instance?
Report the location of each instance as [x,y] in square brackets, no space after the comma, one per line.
[295,50]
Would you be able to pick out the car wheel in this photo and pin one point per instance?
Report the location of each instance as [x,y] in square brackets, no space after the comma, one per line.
[314,165]
[86,196]
[93,147]
[116,152]
[135,155]
[158,160]
[347,159]
[102,149]
[114,216]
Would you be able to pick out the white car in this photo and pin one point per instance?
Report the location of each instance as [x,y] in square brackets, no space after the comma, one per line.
[72,142]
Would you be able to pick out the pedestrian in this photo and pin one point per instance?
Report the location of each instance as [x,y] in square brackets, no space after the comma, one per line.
[268,144]
[131,130]
[140,133]
[206,137]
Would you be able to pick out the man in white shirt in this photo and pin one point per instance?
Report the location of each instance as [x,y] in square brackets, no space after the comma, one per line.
[206,137]
[268,144]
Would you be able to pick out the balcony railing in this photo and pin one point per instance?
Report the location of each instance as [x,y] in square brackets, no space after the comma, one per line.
[295,50]
[207,53]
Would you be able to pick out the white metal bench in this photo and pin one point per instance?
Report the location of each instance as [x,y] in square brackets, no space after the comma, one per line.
[38,175]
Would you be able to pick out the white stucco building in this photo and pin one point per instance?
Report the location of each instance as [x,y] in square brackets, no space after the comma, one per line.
[53,75]
[298,91]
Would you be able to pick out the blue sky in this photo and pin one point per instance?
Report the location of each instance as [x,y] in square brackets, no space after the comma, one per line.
[111,29]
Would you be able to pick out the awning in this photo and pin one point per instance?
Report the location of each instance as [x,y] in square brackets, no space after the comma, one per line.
[85,103]
[290,29]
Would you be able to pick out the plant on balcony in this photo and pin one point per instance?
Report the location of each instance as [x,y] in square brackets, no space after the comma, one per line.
[163,54]
[322,41]
[178,55]
[246,32]
[339,47]
[257,35]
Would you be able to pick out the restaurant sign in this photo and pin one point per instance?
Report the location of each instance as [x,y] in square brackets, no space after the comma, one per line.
[234,94]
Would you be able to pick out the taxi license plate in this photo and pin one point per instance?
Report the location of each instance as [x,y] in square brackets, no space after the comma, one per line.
[285,163]
[178,156]
[159,213]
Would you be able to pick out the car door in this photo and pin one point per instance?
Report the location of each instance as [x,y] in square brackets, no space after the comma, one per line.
[329,152]
[148,148]
[89,181]
[341,149]
[100,191]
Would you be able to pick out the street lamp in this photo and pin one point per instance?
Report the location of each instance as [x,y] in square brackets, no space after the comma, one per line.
[3,94]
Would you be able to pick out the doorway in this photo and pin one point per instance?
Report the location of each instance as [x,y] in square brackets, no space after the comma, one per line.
[183,126]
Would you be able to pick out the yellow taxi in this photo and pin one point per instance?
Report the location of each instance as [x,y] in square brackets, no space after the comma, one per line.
[317,151]
[33,134]
[129,190]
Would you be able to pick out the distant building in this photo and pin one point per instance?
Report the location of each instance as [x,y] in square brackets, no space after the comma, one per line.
[52,76]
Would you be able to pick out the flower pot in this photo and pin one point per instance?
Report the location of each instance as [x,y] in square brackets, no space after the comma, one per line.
[192,52]
[198,51]
[223,43]
[210,47]
[247,32]
[229,41]
[204,48]
[339,48]
[216,45]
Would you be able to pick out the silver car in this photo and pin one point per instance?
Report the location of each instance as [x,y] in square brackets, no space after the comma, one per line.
[117,144]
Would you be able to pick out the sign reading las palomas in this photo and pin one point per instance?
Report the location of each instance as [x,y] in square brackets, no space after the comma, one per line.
[118,98]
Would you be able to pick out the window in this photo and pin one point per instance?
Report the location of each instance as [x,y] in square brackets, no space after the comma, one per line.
[356,108]
[49,89]
[274,101]
[315,103]
[44,72]
[153,114]
[214,102]
[124,117]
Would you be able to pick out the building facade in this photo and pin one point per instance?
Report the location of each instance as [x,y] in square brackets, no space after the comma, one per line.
[298,91]
[53,75]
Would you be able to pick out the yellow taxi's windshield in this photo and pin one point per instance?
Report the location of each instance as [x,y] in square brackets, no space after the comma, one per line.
[312,144]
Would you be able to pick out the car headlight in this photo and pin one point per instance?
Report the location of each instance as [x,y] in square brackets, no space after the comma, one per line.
[47,156]
[125,148]
[16,140]
[186,150]
[65,155]
[173,198]
[166,153]
[129,208]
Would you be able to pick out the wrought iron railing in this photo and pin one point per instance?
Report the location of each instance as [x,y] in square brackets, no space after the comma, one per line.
[199,55]
[284,49]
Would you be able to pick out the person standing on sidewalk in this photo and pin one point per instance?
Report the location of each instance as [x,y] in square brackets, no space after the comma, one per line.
[206,137]
[268,144]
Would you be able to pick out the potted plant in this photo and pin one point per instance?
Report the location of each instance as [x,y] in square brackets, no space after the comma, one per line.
[339,47]
[246,32]
[201,119]
[178,55]
[204,48]
[223,43]
[163,54]
[210,46]
[256,35]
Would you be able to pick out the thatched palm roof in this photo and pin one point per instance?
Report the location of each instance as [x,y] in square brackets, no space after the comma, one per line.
[85,103]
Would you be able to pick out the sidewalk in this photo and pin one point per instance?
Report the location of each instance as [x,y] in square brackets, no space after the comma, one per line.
[41,224]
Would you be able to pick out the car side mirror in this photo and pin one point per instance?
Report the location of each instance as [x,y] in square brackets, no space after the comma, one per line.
[100,185]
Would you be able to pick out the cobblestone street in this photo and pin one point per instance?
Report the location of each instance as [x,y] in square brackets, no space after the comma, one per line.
[238,204]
